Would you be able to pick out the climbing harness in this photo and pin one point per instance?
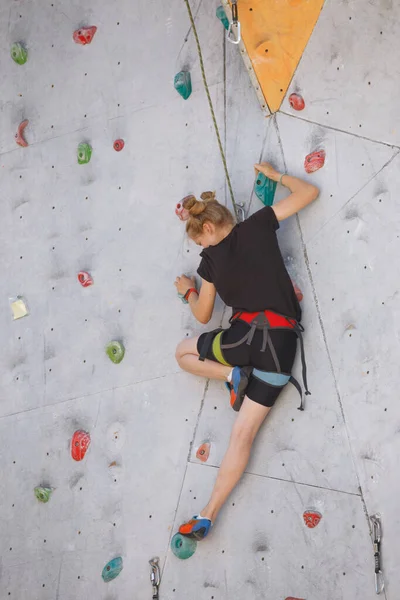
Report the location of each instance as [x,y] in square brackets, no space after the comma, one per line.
[264,321]
[234,26]
[155,576]
[228,180]
[376,534]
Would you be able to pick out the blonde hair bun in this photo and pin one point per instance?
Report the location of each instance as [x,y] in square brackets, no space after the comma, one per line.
[208,196]
[193,206]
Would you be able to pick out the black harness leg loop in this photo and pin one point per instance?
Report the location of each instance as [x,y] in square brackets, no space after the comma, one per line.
[303,362]
[296,384]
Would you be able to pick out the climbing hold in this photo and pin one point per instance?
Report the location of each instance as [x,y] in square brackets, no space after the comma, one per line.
[19,54]
[221,14]
[181,212]
[84,35]
[264,189]
[84,153]
[182,297]
[182,546]
[19,308]
[43,494]
[79,445]
[296,101]
[112,569]
[115,351]
[19,136]
[297,291]
[292,598]
[118,145]
[85,279]
[203,452]
[311,518]
[183,84]
[314,161]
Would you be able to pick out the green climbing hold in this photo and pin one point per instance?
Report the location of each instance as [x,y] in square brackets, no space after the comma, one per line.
[19,54]
[43,493]
[115,351]
[182,546]
[183,84]
[112,569]
[84,153]
[265,189]
[221,14]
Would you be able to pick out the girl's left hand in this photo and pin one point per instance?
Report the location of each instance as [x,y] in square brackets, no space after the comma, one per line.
[183,283]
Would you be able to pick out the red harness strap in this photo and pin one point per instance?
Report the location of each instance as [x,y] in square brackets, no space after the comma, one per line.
[275,319]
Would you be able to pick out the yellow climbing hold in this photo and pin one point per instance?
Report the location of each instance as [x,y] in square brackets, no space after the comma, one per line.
[275,33]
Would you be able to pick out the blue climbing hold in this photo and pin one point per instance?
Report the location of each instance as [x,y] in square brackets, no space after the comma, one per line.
[221,14]
[183,84]
[264,189]
[112,569]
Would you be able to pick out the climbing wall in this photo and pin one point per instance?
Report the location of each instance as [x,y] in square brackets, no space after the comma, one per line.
[101,462]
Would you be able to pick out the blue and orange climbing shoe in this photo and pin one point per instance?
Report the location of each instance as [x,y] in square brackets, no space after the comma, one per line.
[238,385]
[197,528]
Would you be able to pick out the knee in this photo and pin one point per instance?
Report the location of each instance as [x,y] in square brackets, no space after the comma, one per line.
[180,352]
[243,434]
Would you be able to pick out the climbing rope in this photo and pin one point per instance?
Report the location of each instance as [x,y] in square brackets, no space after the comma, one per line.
[212,108]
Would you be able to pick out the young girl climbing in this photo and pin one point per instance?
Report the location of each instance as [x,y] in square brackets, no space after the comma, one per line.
[255,355]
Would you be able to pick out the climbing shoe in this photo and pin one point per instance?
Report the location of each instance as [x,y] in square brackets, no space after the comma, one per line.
[196,529]
[238,385]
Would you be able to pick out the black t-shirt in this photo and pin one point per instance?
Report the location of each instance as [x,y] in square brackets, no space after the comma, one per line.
[247,268]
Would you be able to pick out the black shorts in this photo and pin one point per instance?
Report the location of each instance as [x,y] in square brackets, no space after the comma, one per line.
[285,343]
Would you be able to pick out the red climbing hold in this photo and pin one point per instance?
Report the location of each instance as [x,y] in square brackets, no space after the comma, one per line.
[297,291]
[84,35]
[118,145]
[19,136]
[311,518]
[203,452]
[296,101]
[292,598]
[79,445]
[182,212]
[85,279]
[314,161]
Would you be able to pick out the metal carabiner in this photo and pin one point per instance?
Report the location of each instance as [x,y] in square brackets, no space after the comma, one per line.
[376,534]
[240,212]
[235,23]
[155,576]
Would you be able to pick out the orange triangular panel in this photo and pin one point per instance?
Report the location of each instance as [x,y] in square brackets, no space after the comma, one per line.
[275,33]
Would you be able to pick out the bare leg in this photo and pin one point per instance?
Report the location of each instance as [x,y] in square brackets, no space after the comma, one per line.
[244,431]
[188,359]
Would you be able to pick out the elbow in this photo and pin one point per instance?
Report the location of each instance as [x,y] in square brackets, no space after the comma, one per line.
[204,320]
[314,193]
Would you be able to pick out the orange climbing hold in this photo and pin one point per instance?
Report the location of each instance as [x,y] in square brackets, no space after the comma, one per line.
[203,452]
[275,34]
[19,136]
[297,291]
[296,101]
[79,445]
[84,35]
[314,161]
